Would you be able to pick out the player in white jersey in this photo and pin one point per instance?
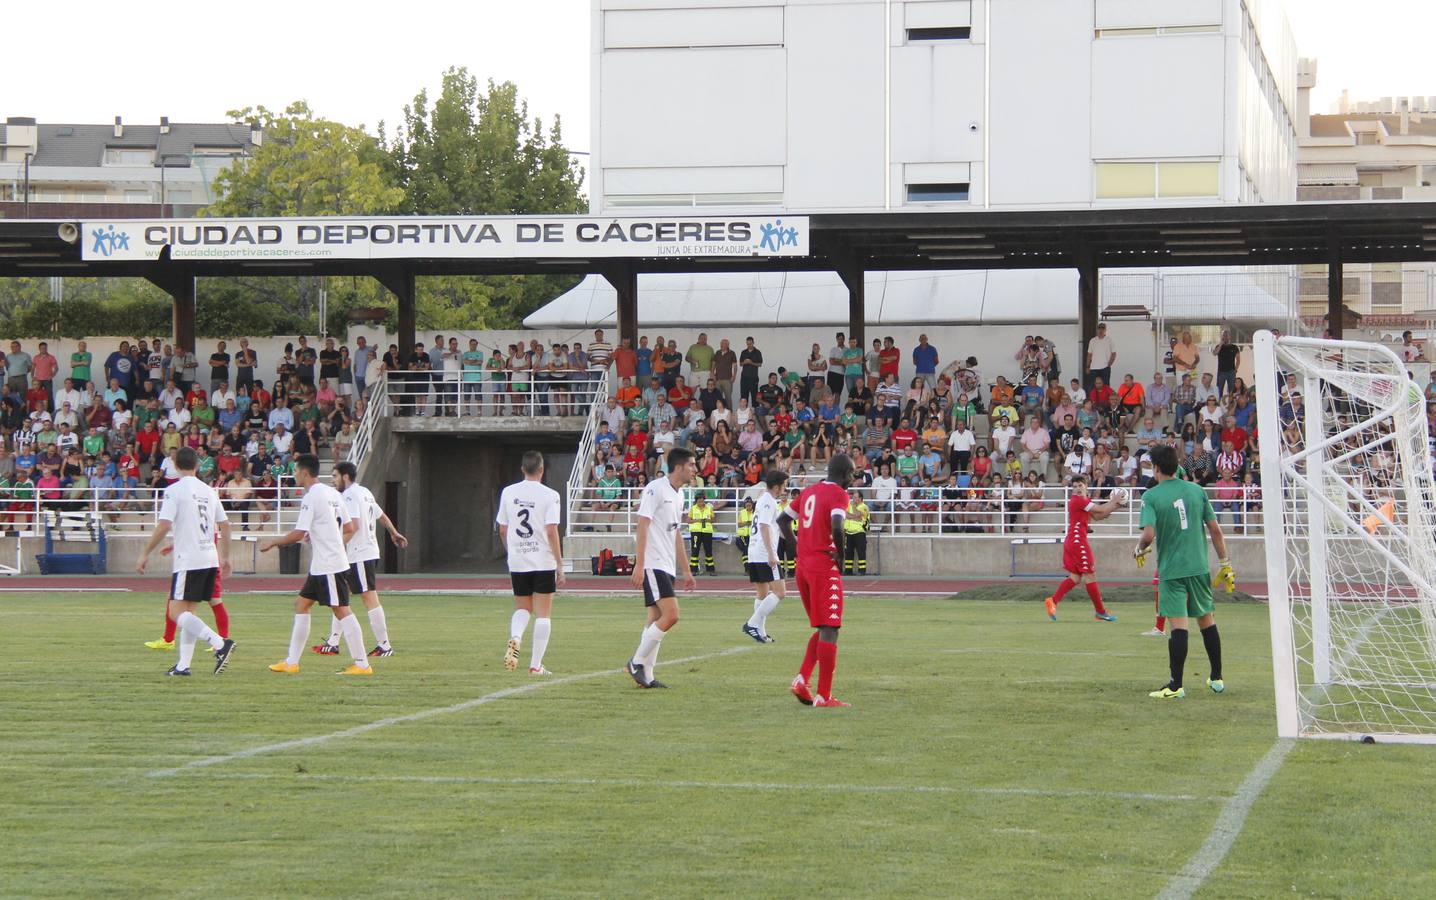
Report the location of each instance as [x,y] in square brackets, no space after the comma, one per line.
[764,568]
[655,562]
[325,522]
[363,552]
[528,518]
[192,510]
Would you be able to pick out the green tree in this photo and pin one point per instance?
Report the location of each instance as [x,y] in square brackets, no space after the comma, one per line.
[478,153]
[306,166]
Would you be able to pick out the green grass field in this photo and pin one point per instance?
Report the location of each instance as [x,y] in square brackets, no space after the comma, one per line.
[989,753]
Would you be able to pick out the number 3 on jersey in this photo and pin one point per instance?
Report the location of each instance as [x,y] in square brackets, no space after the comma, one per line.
[525,530]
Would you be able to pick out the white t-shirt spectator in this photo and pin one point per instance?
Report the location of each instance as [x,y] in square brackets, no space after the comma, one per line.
[1101,349]
[961,441]
[1002,438]
[283,443]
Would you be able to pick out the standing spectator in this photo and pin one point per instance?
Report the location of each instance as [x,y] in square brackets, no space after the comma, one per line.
[853,357]
[1229,359]
[185,364]
[219,367]
[17,370]
[472,362]
[120,368]
[81,362]
[817,371]
[925,360]
[436,368]
[890,361]
[304,360]
[246,360]
[751,363]
[672,365]
[1410,351]
[358,362]
[1101,354]
[1186,355]
[600,352]
[329,361]
[700,360]
[873,365]
[725,367]
[45,366]
[836,365]
[643,361]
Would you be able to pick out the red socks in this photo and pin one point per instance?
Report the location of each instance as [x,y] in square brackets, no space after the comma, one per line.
[810,658]
[1095,593]
[221,618]
[1161,619]
[1062,589]
[828,658]
[169,624]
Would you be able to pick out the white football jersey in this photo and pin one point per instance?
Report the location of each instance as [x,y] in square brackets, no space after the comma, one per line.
[662,505]
[322,515]
[365,512]
[194,512]
[765,512]
[527,507]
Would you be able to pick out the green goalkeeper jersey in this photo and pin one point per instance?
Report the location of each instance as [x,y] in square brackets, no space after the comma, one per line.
[1177,510]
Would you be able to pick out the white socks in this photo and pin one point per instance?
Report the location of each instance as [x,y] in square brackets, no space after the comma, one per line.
[354,637]
[518,623]
[333,639]
[186,651]
[647,654]
[761,611]
[297,637]
[380,626]
[192,625]
[542,628]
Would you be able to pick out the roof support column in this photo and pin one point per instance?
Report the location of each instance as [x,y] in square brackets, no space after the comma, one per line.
[1088,305]
[624,279]
[1335,309]
[399,281]
[854,277]
[180,285]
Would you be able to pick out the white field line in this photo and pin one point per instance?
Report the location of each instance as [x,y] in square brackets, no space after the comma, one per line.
[466,705]
[1228,826]
[717,785]
[64,590]
[1015,651]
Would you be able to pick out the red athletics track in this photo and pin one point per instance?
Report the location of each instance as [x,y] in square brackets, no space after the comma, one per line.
[867,585]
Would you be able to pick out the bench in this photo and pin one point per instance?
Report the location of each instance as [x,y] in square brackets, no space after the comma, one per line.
[72,527]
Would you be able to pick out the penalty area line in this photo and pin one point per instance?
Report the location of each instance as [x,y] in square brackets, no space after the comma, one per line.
[1228,827]
[421,715]
[494,781]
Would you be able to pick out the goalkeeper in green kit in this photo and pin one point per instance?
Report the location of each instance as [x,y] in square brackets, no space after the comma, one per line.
[1177,515]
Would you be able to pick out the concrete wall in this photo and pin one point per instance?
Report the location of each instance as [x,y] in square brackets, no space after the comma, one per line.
[973,556]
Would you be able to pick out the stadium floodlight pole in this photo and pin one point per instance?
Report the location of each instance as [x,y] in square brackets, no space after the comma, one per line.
[1273,475]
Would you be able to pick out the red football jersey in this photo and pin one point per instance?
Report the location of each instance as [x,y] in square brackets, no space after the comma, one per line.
[1078,517]
[815,508]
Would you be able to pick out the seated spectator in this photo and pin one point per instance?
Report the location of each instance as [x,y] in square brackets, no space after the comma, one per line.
[1102,397]
[1078,462]
[875,439]
[903,436]
[1032,397]
[1036,444]
[964,411]
[889,401]
[1148,435]
[1003,393]
[1131,402]
[1003,435]
[750,439]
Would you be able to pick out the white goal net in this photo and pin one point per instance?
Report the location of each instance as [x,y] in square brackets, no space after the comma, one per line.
[1350,510]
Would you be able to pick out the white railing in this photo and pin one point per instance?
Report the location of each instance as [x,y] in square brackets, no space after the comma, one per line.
[131,511]
[418,394]
[923,512]
[590,432]
[375,406]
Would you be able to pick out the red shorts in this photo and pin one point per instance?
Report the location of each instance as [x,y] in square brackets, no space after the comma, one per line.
[820,585]
[1077,558]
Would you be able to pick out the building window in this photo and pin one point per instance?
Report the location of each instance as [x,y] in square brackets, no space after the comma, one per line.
[1157,31]
[1164,179]
[117,156]
[179,197]
[938,193]
[137,197]
[954,33]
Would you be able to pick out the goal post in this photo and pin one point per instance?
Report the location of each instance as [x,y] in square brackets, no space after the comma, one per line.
[1349,505]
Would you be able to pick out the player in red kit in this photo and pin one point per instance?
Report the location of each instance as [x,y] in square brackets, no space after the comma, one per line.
[820,511]
[1077,559]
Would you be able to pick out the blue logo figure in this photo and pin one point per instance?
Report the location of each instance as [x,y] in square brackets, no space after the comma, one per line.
[788,236]
[772,236]
[107,241]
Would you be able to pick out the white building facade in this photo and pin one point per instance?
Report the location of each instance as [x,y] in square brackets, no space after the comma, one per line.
[865,105]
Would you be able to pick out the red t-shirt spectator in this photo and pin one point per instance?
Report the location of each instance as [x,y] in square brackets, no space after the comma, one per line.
[633,463]
[904,437]
[680,397]
[782,422]
[146,441]
[130,466]
[889,358]
[1101,397]
[36,398]
[637,440]
[625,363]
[194,393]
[229,463]
[1237,436]
[260,398]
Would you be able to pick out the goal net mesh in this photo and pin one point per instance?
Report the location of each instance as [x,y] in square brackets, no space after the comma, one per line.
[1357,510]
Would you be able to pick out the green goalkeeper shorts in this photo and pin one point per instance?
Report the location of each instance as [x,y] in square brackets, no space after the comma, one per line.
[1189,597]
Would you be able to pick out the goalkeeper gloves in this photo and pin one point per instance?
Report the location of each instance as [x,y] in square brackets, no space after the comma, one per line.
[1140,554]
[1225,578]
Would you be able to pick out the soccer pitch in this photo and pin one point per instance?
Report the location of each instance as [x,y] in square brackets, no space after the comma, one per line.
[989,753]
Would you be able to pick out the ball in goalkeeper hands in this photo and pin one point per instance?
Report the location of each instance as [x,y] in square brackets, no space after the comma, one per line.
[1120,495]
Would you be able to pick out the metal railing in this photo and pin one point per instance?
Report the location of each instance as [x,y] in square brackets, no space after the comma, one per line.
[420,394]
[924,512]
[130,512]
[375,406]
[590,432]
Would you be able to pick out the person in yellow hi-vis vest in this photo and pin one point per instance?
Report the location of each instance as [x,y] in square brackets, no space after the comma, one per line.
[787,553]
[856,528]
[745,530]
[700,533]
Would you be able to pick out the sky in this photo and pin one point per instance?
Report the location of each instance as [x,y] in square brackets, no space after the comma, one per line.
[359,62]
